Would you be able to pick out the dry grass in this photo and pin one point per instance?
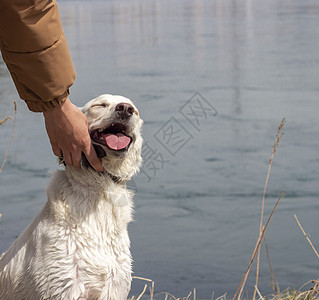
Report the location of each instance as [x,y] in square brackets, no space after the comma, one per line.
[164,295]
[311,293]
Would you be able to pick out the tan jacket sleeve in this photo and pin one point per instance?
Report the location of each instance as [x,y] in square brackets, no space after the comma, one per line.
[35,51]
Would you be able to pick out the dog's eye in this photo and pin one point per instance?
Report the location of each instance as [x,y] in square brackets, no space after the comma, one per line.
[102,104]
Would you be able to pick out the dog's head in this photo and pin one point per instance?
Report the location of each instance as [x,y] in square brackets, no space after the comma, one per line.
[115,130]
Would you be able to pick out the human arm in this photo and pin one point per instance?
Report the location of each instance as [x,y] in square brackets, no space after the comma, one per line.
[35,51]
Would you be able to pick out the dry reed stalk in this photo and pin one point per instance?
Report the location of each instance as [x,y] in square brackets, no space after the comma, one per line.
[11,138]
[145,286]
[260,296]
[142,278]
[140,296]
[261,236]
[169,295]
[279,135]
[223,297]
[307,237]
[274,283]
[257,247]
[243,282]
[5,120]
[307,293]
[315,288]
[152,291]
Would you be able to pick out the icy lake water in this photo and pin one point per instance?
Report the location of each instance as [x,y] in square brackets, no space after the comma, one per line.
[212,80]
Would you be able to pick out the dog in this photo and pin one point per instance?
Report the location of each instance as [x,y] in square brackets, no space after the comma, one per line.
[78,247]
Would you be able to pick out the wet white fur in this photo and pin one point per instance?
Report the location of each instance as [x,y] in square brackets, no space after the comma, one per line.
[78,246]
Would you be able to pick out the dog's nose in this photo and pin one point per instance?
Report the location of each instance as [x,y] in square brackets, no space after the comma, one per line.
[125,110]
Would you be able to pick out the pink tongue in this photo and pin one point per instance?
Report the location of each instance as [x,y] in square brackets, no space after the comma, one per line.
[117,141]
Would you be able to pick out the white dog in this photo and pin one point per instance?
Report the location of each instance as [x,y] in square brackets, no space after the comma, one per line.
[78,246]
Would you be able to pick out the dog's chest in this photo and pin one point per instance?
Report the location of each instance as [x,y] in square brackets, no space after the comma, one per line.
[102,236]
[96,251]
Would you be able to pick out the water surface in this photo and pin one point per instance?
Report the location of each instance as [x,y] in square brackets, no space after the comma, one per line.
[240,67]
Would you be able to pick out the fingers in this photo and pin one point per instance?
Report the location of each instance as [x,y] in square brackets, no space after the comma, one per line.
[67,129]
[72,156]
[76,159]
[56,150]
[67,158]
[94,161]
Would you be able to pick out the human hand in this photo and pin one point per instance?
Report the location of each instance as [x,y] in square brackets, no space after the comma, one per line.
[67,129]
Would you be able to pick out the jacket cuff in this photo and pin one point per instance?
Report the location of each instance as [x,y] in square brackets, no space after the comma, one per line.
[41,106]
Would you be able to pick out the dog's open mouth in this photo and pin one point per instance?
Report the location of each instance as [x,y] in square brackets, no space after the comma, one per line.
[114,137]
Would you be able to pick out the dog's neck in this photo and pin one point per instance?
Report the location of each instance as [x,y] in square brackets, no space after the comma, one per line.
[87,174]
[116,179]
[115,169]
[89,178]
[84,193]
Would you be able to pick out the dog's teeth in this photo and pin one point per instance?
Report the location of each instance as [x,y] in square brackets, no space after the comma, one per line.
[100,130]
